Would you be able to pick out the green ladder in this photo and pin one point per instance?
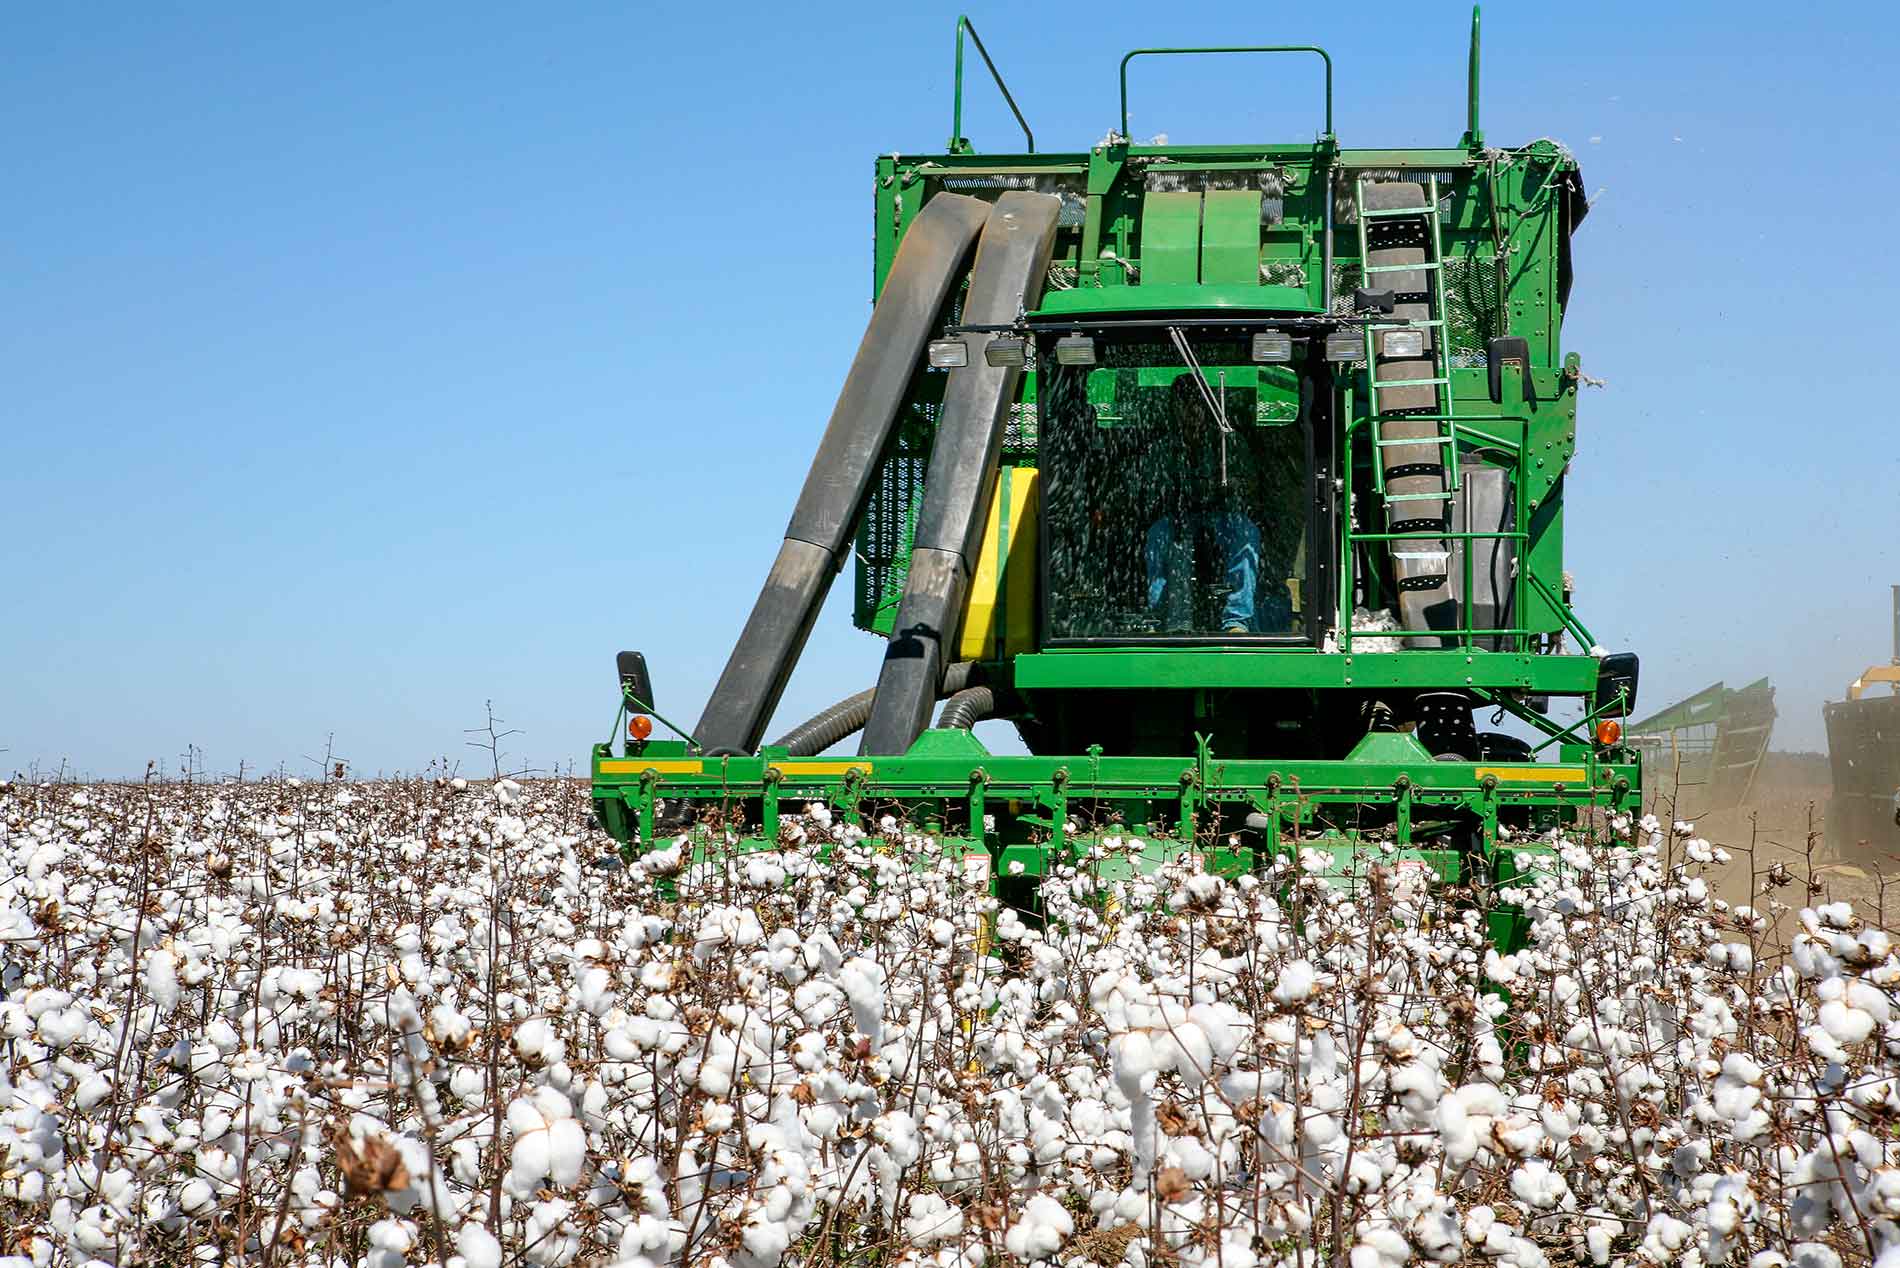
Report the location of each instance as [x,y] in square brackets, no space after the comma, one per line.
[1444,416]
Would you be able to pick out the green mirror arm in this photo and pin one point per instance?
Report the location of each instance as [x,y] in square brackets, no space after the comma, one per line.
[631,703]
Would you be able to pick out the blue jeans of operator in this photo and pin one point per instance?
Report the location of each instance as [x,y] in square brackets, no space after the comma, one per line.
[1170,558]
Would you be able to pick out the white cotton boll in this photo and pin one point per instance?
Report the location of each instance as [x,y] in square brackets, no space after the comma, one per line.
[536,1042]
[1187,1050]
[467,1083]
[595,991]
[196,1197]
[863,983]
[1535,1183]
[451,1028]
[1195,1161]
[1044,1225]
[1295,983]
[931,1219]
[1845,1024]
[223,1036]
[47,999]
[161,980]
[1870,999]
[59,1028]
[1132,1057]
[1224,1025]
[528,1161]
[1837,915]
[718,1065]
[477,1246]
[1436,1233]
[1381,1248]
[567,1150]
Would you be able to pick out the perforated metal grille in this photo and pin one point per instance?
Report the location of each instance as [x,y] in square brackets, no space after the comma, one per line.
[1471,300]
[890,517]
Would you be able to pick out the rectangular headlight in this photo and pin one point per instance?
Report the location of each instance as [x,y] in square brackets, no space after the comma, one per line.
[1345,345]
[1006,351]
[1402,343]
[949,354]
[1273,346]
[1075,350]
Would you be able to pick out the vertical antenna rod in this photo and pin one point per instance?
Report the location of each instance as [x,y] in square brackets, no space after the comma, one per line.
[1474,135]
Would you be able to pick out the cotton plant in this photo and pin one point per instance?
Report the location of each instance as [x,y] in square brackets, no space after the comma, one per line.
[412,1021]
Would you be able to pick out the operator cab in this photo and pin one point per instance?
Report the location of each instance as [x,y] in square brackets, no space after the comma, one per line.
[1182,486]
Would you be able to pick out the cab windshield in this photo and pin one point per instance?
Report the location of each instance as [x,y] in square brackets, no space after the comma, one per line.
[1176,492]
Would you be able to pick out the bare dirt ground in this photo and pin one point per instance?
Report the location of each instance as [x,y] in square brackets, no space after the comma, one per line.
[1784,821]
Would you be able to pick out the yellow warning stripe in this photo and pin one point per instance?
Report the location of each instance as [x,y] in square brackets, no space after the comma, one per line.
[1533,774]
[639,765]
[822,768]
[700,766]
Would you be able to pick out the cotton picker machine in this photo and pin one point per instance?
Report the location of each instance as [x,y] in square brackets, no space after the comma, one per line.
[1231,475]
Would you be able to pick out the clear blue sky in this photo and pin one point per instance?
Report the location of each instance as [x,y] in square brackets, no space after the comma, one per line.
[363,363]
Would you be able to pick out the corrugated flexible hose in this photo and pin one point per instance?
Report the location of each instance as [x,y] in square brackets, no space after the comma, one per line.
[848,716]
[967,707]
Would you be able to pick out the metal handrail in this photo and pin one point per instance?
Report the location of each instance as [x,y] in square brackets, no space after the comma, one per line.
[1467,631]
[957,144]
[1250,48]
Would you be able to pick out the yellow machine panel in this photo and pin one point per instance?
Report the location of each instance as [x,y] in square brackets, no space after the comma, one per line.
[1000,618]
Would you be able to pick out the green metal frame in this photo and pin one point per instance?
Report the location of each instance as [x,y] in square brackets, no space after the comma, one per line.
[1247,48]
[1175,797]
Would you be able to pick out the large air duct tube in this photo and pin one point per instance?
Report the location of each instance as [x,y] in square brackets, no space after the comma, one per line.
[930,261]
[1012,260]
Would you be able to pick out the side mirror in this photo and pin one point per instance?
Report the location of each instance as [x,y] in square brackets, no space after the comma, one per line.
[1616,675]
[636,685]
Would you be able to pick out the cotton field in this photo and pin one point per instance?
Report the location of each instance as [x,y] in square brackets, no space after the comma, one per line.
[420,1022]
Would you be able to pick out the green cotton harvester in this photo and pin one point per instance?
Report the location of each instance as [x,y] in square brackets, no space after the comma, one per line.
[1231,475]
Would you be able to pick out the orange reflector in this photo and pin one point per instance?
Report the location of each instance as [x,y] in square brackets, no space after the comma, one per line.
[639,726]
[1609,731]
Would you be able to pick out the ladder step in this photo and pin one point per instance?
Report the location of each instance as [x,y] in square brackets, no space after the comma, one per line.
[1422,440]
[1435,556]
[1382,213]
[1383,384]
[1399,268]
[1417,497]
[1404,325]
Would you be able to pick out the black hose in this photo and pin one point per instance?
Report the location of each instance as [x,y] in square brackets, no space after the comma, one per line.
[849,715]
[966,708]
